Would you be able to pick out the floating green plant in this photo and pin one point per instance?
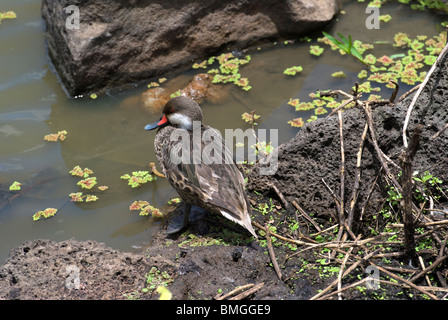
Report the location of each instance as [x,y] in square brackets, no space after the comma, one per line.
[174,201]
[316,50]
[250,118]
[385,17]
[47,213]
[339,74]
[77,171]
[7,15]
[346,45]
[292,71]
[15,186]
[138,178]
[80,197]
[87,183]
[53,137]
[297,122]
[145,209]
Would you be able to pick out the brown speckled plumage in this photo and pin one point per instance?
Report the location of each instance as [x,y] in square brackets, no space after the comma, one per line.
[217,187]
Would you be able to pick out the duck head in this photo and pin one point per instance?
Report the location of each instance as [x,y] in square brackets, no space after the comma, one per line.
[179,112]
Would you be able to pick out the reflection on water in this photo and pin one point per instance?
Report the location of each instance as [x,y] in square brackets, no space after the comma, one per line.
[107,136]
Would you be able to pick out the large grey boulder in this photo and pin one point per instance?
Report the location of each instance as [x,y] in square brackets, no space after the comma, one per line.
[120,42]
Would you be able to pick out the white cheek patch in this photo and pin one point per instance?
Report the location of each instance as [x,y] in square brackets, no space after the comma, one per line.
[181,120]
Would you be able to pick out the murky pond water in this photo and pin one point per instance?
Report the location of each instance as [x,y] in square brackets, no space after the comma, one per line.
[107,136]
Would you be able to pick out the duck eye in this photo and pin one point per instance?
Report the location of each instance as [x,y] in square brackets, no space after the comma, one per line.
[172,110]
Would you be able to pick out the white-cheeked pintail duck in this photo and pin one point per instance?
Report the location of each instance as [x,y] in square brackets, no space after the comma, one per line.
[216,186]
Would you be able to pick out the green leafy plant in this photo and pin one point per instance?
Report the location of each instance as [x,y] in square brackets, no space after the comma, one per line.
[138,178]
[345,45]
[145,209]
[7,15]
[316,50]
[53,137]
[15,186]
[292,71]
[47,213]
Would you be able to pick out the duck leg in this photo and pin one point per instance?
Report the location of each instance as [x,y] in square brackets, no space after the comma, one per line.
[181,221]
[189,214]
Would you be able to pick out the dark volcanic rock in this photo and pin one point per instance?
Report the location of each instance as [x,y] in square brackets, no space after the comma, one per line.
[121,42]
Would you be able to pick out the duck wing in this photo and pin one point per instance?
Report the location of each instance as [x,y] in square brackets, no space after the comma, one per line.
[214,181]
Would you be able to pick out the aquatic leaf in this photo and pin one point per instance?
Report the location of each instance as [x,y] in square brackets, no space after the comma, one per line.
[103,188]
[374,97]
[47,213]
[385,17]
[320,110]
[53,137]
[15,186]
[339,74]
[138,205]
[397,67]
[319,103]
[304,106]
[250,117]
[76,196]
[293,102]
[292,71]
[370,59]
[297,123]
[333,104]
[362,74]
[202,64]
[385,60]
[150,210]
[138,178]
[230,66]
[174,201]
[162,80]
[242,82]
[91,198]
[7,15]
[153,85]
[312,118]
[316,50]
[416,45]
[401,39]
[175,94]
[430,60]
[88,183]
[77,171]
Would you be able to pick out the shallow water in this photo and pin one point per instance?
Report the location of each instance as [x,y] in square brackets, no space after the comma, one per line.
[107,136]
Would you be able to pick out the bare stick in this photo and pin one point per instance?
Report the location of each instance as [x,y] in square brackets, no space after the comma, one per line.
[341,135]
[234,291]
[247,293]
[306,216]
[406,159]
[352,267]
[420,89]
[339,108]
[357,177]
[440,132]
[392,275]
[438,261]
[272,254]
